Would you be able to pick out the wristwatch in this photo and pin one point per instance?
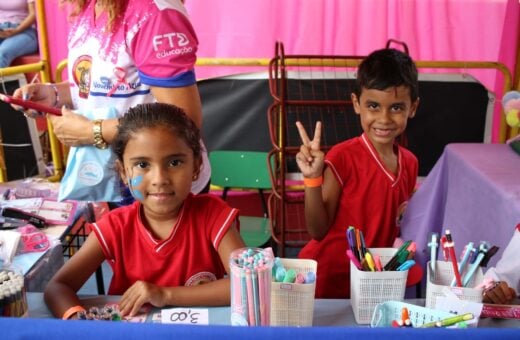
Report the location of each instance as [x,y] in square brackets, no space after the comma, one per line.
[99,142]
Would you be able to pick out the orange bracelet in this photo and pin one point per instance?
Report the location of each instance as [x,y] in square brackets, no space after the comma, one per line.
[313,182]
[71,311]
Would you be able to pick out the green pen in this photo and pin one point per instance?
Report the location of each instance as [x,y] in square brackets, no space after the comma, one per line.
[448,321]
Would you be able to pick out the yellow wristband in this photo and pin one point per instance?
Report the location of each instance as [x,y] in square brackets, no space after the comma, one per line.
[71,311]
[313,182]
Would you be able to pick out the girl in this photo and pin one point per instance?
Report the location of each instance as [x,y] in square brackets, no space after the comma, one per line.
[17,32]
[169,247]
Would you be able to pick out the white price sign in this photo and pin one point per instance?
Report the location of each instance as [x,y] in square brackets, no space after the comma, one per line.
[185,316]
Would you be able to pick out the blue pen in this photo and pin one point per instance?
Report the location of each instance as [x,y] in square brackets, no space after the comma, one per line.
[482,249]
[465,256]
[406,265]
[434,244]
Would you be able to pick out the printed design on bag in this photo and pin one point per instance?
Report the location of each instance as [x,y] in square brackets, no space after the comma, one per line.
[90,173]
[81,74]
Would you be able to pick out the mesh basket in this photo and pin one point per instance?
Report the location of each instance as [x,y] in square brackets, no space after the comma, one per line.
[386,312]
[292,304]
[368,289]
[443,276]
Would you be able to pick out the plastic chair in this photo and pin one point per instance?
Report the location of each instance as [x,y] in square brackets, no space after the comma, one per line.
[244,170]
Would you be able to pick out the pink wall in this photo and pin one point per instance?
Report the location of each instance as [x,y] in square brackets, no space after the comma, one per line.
[457,30]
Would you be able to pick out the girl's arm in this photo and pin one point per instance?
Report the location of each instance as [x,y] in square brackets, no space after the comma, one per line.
[60,293]
[29,20]
[216,293]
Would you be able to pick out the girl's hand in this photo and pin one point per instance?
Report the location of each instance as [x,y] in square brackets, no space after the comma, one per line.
[72,129]
[6,33]
[499,293]
[310,158]
[138,294]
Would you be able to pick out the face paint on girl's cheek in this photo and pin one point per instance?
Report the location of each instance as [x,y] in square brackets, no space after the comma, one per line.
[132,184]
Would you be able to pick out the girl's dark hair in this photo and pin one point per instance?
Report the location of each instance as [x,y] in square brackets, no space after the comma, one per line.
[387,68]
[152,115]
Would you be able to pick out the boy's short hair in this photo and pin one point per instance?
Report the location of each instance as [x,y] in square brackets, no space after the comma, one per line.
[386,68]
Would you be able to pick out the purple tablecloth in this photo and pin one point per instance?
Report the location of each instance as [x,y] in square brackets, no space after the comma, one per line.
[473,190]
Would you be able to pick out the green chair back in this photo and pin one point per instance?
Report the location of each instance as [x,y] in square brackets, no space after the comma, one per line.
[239,169]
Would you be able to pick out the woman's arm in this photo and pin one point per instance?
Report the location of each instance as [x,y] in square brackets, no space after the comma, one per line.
[187,98]
[60,293]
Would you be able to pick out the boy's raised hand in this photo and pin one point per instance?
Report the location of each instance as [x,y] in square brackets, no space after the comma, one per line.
[310,158]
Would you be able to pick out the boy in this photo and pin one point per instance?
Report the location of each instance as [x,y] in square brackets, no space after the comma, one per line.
[363,182]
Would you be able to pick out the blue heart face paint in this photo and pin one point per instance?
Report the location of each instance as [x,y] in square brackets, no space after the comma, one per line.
[132,184]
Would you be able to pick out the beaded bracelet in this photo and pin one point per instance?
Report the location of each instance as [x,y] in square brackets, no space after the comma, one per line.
[56,94]
[71,311]
[313,182]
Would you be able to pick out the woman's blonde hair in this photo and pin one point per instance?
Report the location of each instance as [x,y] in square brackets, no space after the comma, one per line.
[115,8]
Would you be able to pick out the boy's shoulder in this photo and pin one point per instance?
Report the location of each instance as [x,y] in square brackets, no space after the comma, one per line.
[352,145]
[407,154]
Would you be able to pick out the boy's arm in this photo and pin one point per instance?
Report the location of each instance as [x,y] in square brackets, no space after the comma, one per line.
[320,200]
[321,204]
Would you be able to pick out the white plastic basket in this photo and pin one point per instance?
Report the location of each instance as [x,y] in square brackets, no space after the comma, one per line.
[443,276]
[386,312]
[292,304]
[368,289]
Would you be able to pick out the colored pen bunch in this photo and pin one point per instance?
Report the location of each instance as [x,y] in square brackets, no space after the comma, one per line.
[364,260]
[470,259]
[281,274]
[251,286]
[13,298]
[403,258]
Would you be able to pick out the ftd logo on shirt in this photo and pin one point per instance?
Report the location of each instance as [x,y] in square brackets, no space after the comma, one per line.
[171,44]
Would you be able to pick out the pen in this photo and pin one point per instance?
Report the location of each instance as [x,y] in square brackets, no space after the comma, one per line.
[354,259]
[377,263]
[489,254]
[370,261]
[358,241]
[482,250]
[352,241]
[363,245]
[392,261]
[464,260]
[448,321]
[406,265]
[403,256]
[450,245]
[434,244]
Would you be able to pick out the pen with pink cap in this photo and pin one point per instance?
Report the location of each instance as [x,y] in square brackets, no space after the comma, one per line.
[354,259]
